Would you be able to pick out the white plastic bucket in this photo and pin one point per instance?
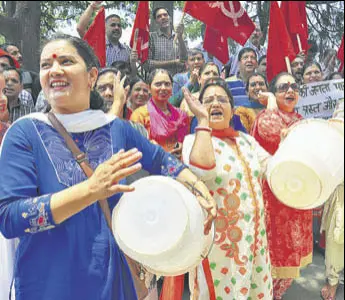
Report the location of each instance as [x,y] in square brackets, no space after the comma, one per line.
[161,226]
[309,164]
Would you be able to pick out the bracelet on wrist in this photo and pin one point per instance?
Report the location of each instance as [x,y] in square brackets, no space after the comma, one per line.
[203,128]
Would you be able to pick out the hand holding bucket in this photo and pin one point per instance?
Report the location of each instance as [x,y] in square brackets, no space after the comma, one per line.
[308,165]
[161,225]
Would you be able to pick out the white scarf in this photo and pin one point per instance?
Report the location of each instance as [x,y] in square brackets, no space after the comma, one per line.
[76,123]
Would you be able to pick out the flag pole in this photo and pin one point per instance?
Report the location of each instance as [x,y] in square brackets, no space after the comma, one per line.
[181,22]
[299,43]
[288,64]
[135,42]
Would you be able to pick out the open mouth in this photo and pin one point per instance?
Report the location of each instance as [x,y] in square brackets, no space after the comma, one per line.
[59,84]
[8,91]
[216,113]
[290,99]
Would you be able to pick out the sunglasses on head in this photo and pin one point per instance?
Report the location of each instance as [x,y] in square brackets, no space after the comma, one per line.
[284,87]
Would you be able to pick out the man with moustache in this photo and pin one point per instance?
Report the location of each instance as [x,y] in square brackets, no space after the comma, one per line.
[297,68]
[31,80]
[13,89]
[115,50]
[254,42]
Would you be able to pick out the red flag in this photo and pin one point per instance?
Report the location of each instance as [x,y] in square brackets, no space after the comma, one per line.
[95,37]
[216,44]
[279,43]
[141,31]
[341,54]
[227,17]
[296,22]
[15,62]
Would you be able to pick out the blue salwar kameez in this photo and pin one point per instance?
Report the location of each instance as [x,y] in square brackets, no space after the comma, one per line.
[79,258]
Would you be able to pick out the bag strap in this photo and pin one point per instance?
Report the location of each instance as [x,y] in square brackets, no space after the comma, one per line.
[81,158]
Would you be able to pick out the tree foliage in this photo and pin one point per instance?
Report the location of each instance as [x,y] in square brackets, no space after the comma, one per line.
[325,18]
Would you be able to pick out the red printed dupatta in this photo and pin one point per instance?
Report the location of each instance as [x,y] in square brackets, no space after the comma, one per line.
[173,127]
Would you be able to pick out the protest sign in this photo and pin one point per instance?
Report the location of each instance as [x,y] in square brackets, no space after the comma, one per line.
[319,99]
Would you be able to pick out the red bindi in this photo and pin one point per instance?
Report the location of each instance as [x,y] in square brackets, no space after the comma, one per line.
[54,56]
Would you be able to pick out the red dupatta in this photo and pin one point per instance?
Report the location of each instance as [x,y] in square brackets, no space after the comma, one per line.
[172,127]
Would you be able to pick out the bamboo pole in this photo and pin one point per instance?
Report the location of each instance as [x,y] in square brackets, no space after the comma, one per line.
[299,43]
[181,22]
[288,64]
[135,42]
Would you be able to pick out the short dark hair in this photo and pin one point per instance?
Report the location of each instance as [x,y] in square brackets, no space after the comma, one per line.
[261,59]
[121,65]
[133,82]
[155,11]
[217,82]
[195,51]
[273,83]
[155,72]
[112,16]
[19,72]
[254,75]
[246,50]
[210,63]
[114,71]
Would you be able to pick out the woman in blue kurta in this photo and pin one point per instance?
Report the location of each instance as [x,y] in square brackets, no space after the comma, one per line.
[66,250]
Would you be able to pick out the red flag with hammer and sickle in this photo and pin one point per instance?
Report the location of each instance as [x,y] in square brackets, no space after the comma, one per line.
[227,17]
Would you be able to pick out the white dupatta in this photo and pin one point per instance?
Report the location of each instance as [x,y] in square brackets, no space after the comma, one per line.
[75,123]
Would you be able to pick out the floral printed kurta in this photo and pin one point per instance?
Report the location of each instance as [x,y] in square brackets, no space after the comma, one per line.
[239,260]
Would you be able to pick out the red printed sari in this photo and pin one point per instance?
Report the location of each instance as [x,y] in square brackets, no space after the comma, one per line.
[290,231]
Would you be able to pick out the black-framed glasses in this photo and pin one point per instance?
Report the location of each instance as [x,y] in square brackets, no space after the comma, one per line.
[284,87]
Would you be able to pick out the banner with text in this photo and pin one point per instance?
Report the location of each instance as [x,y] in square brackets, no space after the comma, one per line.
[319,99]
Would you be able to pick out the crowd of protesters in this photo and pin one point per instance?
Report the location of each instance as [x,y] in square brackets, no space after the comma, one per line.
[223,121]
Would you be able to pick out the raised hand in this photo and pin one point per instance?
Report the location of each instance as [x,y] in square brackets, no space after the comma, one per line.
[96,5]
[195,106]
[268,99]
[104,181]
[194,76]
[120,91]
[134,56]
[180,30]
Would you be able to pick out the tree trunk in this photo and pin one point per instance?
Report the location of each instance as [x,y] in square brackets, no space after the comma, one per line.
[29,15]
[169,5]
[23,29]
